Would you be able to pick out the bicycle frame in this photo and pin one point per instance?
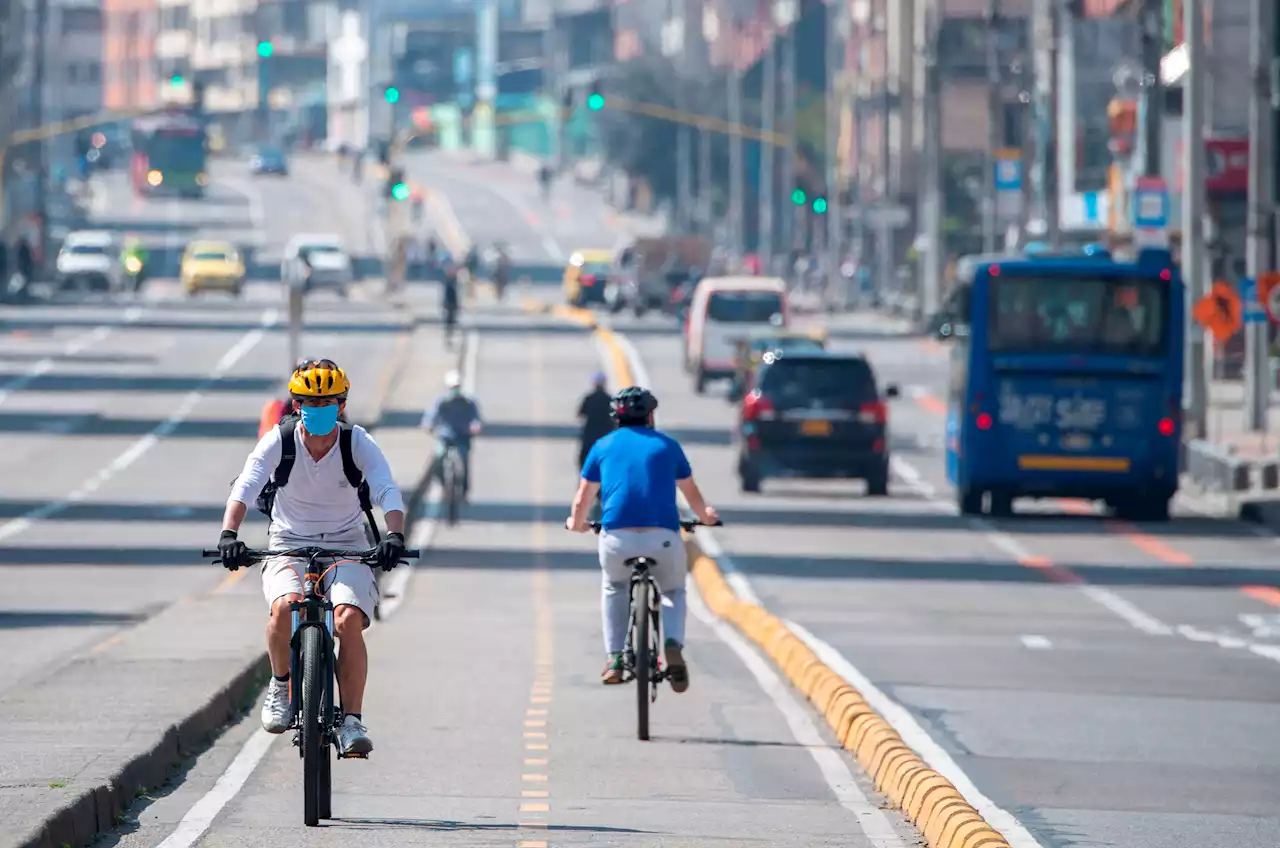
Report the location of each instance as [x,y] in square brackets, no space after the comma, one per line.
[640,574]
[314,610]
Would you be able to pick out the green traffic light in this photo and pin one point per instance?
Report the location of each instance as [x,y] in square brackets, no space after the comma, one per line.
[265,49]
[798,197]
[595,102]
[400,191]
[819,205]
[176,79]
[392,94]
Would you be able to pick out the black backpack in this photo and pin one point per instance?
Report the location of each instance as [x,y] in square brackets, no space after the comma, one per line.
[289,453]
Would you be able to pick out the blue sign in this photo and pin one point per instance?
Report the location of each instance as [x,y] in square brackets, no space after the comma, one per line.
[1254,311]
[1008,174]
[1151,204]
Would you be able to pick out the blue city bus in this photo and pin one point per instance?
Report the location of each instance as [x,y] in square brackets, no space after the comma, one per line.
[1066,382]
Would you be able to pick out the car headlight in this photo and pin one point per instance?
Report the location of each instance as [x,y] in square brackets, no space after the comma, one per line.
[202,179]
[155,178]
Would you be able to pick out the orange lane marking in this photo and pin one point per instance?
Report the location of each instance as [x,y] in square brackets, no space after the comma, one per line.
[1144,542]
[1266,594]
[1054,573]
[931,345]
[931,404]
[534,807]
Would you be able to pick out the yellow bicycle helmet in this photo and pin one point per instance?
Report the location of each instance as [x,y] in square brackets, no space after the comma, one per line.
[319,378]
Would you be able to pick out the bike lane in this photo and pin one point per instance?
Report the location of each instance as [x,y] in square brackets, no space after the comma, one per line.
[490,724]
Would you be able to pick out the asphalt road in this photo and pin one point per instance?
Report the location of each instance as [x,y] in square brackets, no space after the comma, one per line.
[125,422]
[1105,683]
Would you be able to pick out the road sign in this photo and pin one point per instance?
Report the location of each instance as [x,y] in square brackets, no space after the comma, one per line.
[1220,312]
[1008,179]
[1151,212]
[1254,311]
[1269,293]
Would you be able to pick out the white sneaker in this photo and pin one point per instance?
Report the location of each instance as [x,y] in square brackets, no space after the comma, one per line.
[352,737]
[276,716]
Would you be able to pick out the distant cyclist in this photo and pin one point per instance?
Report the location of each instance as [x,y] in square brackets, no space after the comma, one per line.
[450,299]
[596,414]
[453,418]
[638,470]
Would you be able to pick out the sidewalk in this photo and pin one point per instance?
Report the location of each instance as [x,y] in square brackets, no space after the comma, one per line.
[1226,423]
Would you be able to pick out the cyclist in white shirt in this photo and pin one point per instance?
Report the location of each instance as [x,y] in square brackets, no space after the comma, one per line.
[318,505]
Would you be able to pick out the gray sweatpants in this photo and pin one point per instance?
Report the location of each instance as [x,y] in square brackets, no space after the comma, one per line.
[666,549]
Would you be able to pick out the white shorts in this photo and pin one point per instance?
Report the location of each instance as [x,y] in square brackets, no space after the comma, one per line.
[350,583]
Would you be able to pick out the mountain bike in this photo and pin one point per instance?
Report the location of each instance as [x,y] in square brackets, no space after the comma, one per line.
[643,648]
[313,661]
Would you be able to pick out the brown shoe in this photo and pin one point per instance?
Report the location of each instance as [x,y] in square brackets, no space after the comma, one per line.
[677,671]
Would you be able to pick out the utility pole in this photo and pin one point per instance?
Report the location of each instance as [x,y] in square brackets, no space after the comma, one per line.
[1194,266]
[1053,191]
[768,153]
[887,197]
[551,88]
[1261,205]
[793,213]
[705,215]
[684,132]
[995,108]
[1153,103]
[737,195]
[837,36]
[932,193]
[43,159]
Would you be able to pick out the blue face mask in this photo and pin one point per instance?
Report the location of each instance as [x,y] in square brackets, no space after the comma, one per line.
[320,420]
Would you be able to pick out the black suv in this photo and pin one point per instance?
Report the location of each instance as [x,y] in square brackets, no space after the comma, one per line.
[814,414]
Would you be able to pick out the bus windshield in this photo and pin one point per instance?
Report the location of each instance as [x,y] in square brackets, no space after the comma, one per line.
[1078,314]
[176,152]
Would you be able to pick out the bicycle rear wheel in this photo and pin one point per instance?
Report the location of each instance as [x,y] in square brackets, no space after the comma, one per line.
[644,655]
[452,493]
[309,722]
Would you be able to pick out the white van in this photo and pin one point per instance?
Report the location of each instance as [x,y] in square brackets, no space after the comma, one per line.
[722,309]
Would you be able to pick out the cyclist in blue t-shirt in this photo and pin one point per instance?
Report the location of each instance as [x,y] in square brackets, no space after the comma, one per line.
[637,470]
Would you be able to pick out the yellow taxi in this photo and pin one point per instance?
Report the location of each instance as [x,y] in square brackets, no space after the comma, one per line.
[212,266]
[585,276]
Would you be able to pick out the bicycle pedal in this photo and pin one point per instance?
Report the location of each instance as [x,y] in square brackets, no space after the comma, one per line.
[353,756]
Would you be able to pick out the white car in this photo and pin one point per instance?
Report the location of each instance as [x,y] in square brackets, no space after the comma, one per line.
[316,262]
[89,259]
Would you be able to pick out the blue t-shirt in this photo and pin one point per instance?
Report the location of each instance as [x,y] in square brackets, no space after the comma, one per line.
[637,469]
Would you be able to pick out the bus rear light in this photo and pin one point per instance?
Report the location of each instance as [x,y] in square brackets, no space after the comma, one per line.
[877,446]
[1166,275]
[1166,426]
[984,421]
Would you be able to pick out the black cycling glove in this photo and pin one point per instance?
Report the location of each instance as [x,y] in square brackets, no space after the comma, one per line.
[390,551]
[233,552]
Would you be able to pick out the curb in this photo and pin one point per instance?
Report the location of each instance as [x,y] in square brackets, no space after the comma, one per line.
[97,809]
[933,804]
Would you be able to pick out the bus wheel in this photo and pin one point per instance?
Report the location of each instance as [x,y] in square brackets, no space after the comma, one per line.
[970,501]
[1002,504]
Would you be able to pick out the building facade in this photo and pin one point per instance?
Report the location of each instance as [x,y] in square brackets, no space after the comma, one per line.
[130,69]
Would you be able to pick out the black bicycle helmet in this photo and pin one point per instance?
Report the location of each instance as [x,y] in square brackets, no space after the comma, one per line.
[633,403]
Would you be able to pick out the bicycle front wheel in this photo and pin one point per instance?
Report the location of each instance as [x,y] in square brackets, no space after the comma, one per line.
[644,656]
[452,493]
[313,747]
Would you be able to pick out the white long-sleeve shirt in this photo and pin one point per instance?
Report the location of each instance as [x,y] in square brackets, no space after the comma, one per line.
[318,501]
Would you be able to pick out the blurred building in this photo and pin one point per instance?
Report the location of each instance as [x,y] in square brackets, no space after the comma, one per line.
[131,72]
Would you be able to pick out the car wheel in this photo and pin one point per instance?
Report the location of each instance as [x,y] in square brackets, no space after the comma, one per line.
[970,501]
[1002,504]
[878,484]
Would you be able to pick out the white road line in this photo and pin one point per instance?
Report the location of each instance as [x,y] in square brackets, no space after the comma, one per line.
[1036,643]
[833,764]
[919,740]
[48,363]
[202,814]
[135,451]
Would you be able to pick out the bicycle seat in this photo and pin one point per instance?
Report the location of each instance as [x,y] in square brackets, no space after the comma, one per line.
[639,563]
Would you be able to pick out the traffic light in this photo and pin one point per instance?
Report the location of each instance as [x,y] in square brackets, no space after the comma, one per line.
[397,188]
[265,49]
[798,197]
[820,205]
[391,94]
[595,100]
[176,79]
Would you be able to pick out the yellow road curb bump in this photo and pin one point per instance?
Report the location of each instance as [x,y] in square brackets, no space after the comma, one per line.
[929,800]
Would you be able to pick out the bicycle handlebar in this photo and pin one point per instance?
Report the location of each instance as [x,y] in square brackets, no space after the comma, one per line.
[309,551]
[686,525]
